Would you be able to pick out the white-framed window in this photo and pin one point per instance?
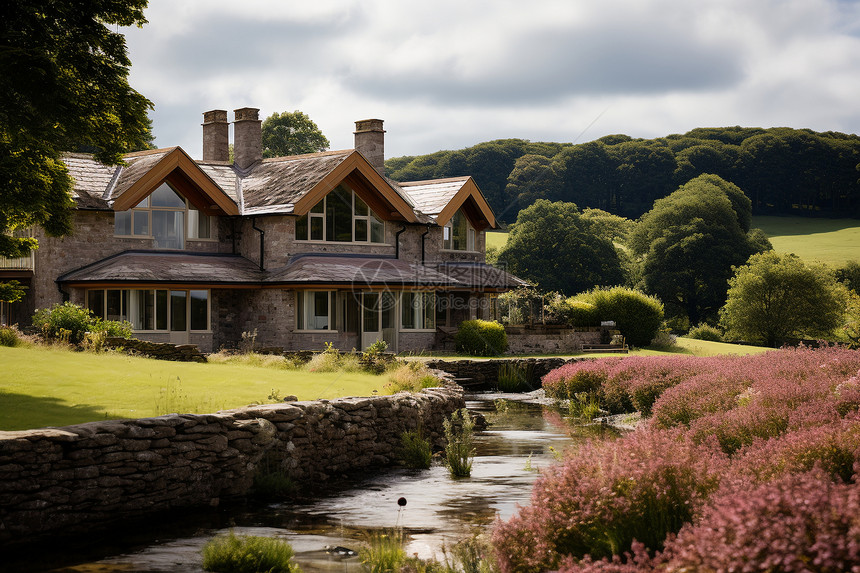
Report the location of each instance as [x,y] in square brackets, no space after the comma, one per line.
[458,234]
[166,217]
[341,216]
[417,310]
[153,310]
[315,310]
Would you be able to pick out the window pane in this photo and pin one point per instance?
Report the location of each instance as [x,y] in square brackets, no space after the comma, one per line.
[300,310]
[167,229]
[96,302]
[143,203]
[122,223]
[319,207]
[339,215]
[407,310]
[377,230]
[371,312]
[199,310]
[114,305]
[471,243]
[429,310]
[317,228]
[141,223]
[302,228]
[161,310]
[177,310]
[446,236]
[441,308]
[165,196]
[318,317]
[361,230]
[360,206]
[459,226]
[198,224]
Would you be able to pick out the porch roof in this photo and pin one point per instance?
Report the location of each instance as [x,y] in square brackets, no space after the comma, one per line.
[476,276]
[357,270]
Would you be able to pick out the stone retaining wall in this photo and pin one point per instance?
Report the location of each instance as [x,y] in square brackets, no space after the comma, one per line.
[159,350]
[78,478]
[549,339]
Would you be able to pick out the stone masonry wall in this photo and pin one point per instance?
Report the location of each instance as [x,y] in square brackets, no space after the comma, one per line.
[79,478]
[545,339]
[484,374]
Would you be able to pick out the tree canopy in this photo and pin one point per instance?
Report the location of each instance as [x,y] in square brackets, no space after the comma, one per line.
[689,242]
[559,248]
[782,170]
[63,86]
[291,133]
[776,297]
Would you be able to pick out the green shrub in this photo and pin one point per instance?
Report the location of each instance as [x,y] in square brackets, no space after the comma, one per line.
[581,313]
[248,554]
[9,336]
[68,322]
[637,315]
[706,332]
[410,377]
[460,449]
[415,450]
[113,328]
[481,338]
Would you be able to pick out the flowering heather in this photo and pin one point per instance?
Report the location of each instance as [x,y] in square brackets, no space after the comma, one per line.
[637,560]
[599,501]
[799,523]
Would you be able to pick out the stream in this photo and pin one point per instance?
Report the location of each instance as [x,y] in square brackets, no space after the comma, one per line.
[439,511]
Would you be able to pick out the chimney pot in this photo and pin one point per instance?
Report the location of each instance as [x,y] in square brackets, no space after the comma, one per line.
[370,142]
[216,136]
[248,137]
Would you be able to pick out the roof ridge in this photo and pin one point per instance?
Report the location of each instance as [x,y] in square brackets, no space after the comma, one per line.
[307,155]
[431,181]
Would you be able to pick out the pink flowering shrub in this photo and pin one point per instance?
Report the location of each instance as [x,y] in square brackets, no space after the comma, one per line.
[799,523]
[609,494]
[637,560]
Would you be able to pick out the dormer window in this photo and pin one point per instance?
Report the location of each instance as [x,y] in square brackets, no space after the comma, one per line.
[166,217]
[458,234]
[343,217]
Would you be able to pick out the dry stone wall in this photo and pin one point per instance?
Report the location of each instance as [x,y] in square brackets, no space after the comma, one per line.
[78,478]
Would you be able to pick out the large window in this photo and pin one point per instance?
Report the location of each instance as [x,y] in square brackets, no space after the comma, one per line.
[458,234]
[166,217]
[315,310]
[153,310]
[343,217]
[418,310]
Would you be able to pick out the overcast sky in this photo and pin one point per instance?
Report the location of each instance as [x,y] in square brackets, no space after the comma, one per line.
[447,74]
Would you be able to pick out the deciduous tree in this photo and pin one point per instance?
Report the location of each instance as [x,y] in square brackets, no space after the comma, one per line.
[775,297]
[291,133]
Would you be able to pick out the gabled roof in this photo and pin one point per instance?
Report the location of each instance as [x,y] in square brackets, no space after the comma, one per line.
[356,271]
[441,198]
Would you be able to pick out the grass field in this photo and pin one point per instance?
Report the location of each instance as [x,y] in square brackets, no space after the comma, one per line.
[46,386]
[831,241]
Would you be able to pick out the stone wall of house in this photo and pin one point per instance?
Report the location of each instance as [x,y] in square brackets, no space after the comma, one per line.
[484,374]
[549,339]
[78,478]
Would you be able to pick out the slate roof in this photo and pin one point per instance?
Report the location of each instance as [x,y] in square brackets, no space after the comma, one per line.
[168,267]
[356,270]
[180,267]
[91,180]
[430,197]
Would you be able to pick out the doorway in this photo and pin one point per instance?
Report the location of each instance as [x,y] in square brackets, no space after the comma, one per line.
[379,319]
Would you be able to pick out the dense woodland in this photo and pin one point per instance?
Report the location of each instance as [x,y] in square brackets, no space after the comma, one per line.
[782,170]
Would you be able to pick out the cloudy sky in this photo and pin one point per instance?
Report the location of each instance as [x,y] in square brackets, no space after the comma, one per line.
[447,74]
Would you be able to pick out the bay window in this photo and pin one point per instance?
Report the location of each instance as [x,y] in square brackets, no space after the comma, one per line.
[341,216]
[153,309]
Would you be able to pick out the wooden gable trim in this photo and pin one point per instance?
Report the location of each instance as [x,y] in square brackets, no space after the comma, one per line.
[367,182]
[178,168]
[477,208]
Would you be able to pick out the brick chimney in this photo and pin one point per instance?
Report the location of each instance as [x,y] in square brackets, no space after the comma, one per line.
[247,137]
[370,142]
[216,136]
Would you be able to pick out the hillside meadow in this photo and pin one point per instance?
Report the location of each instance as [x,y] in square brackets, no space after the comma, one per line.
[831,241]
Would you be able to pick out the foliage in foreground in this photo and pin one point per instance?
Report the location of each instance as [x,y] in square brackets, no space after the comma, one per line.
[248,554]
[460,449]
[69,322]
[415,450]
[724,462]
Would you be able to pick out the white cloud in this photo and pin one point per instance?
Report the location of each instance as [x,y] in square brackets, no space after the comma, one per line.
[447,74]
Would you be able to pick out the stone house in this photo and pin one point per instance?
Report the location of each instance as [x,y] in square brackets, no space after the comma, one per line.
[301,250]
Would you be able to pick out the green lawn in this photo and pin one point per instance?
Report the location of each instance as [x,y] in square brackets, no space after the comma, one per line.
[45,386]
[831,241]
